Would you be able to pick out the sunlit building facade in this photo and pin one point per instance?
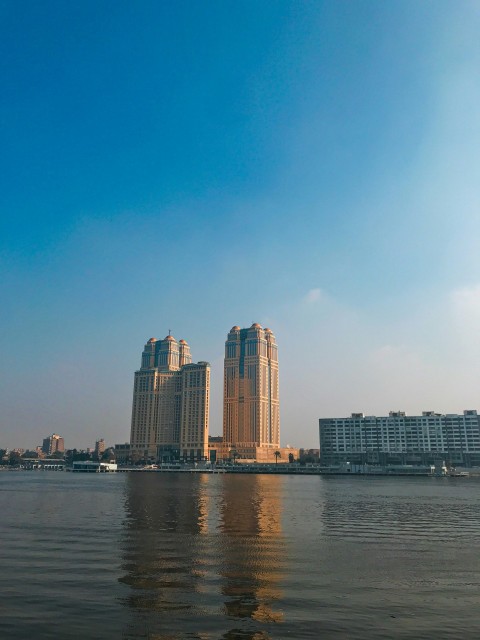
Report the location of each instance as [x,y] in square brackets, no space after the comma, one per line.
[399,438]
[171,398]
[99,447]
[251,417]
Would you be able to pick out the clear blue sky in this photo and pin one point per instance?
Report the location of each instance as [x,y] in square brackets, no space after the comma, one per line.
[313,166]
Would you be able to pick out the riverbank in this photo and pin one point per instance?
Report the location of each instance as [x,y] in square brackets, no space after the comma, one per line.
[278,469]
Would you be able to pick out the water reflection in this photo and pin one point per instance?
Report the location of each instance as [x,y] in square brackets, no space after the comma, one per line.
[161,553]
[253,549]
[220,557]
[203,556]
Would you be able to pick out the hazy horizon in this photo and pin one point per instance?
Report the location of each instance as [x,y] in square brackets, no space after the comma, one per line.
[311,166]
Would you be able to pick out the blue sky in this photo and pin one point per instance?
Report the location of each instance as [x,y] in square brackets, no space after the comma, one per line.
[312,166]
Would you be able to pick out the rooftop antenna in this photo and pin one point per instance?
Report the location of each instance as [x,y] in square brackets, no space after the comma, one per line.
[169,332]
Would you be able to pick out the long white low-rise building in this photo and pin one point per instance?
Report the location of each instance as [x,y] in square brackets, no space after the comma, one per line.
[92,466]
[401,439]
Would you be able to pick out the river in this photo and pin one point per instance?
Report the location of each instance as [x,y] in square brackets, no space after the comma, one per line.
[255,557]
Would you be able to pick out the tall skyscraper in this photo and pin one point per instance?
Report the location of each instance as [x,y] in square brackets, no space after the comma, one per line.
[251,418]
[171,399]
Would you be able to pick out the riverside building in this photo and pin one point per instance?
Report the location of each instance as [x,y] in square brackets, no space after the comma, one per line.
[99,447]
[401,439]
[171,397]
[53,444]
[251,418]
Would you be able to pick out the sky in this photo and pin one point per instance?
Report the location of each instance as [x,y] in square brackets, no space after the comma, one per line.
[309,165]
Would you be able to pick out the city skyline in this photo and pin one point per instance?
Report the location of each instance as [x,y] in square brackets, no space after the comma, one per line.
[311,166]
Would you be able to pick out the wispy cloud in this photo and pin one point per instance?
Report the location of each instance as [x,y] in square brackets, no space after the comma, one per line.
[314,295]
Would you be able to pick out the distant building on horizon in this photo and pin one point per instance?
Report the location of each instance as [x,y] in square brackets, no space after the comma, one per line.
[53,444]
[251,416]
[99,447]
[401,439]
[171,401]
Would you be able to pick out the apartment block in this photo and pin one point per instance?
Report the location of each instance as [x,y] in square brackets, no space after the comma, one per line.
[401,439]
[53,444]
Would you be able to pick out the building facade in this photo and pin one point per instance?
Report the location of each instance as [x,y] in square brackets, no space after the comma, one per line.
[99,447]
[401,439]
[251,417]
[171,402]
[122,452]
[221,451]
[53,444]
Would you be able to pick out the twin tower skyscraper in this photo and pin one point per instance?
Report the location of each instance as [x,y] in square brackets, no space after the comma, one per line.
[171,399]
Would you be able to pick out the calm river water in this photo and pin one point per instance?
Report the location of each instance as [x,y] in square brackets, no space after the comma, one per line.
[173,556]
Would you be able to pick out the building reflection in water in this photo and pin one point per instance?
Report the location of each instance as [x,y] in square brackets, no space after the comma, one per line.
[253,550]
[202,554]
[166,516]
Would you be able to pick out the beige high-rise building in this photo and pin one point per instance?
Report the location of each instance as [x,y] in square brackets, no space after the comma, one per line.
[251,418]
[53,444]
[100,447]
[171,399]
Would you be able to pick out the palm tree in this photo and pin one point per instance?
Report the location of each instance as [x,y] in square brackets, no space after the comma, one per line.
[277,455]
[233,454]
